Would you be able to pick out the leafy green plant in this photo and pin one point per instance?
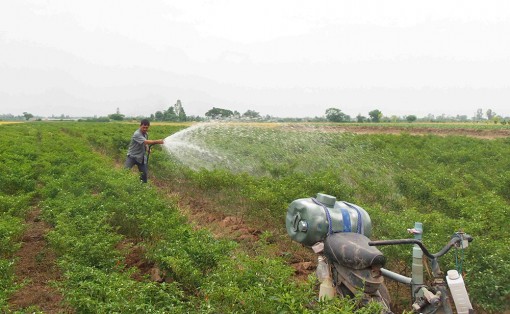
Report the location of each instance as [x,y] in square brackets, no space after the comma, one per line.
[67,169]
[448,183]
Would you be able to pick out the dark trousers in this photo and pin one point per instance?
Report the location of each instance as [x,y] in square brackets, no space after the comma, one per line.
[130,162]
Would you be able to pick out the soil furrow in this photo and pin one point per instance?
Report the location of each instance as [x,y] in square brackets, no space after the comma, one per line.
[36,269]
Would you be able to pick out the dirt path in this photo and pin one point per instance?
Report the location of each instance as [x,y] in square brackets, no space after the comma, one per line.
[35,266]
[488,134]
[204,213]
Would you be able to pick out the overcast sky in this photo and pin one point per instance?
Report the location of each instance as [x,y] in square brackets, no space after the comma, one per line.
[285,58]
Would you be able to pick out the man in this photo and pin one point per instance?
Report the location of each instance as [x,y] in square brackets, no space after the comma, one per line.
[139,148]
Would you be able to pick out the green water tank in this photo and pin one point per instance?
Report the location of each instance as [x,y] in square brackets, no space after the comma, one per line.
[310,220]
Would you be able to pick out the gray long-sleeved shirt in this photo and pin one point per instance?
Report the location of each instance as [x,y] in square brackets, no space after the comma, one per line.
[136,148]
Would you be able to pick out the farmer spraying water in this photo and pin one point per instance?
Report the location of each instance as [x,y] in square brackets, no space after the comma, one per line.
[139,149]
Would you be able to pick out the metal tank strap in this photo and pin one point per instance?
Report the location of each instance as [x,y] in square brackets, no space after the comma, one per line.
[347,220]
[360,221]
[328,216]
[345,215]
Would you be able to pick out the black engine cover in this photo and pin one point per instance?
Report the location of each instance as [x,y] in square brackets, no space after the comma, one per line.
[352,250]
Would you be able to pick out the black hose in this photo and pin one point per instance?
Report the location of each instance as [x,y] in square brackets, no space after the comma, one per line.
[403,241]
[454,240]
[149,152]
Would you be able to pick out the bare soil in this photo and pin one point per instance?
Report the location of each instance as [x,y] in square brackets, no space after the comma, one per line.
[468,132]
[35,268]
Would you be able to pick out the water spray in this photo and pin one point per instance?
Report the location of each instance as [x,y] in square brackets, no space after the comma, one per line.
[188,147]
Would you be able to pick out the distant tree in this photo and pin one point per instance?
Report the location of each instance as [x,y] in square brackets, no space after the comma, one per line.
[178,107]
[169,114]
[251,114]
[411,118]
[461,118]
[182,116]
[179,111]
[28,116]
[10,117]
[117,116]
[375,115]
[430,117]
[360,118]
[158,116]
[479,114]
[336,115]
[490,114]
[217,113]
[496,119]
[442,118]
[194,118]
[173,113]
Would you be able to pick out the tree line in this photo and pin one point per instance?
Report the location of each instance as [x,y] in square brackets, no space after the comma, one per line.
[336,115]
[176,113]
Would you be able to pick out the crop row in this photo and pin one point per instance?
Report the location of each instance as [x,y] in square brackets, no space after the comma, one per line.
[99,213]
[448,183]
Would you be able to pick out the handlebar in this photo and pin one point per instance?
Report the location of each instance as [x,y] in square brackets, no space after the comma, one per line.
[455,240]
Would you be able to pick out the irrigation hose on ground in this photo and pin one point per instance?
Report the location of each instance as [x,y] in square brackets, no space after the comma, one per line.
[149,153]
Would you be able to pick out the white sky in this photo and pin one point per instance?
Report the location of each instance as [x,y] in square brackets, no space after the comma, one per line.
[286,58]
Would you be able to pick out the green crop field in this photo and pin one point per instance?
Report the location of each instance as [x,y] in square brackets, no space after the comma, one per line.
[99,213]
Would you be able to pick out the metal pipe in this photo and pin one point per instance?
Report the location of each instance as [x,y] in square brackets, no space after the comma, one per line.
[417,267]
[395,276]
